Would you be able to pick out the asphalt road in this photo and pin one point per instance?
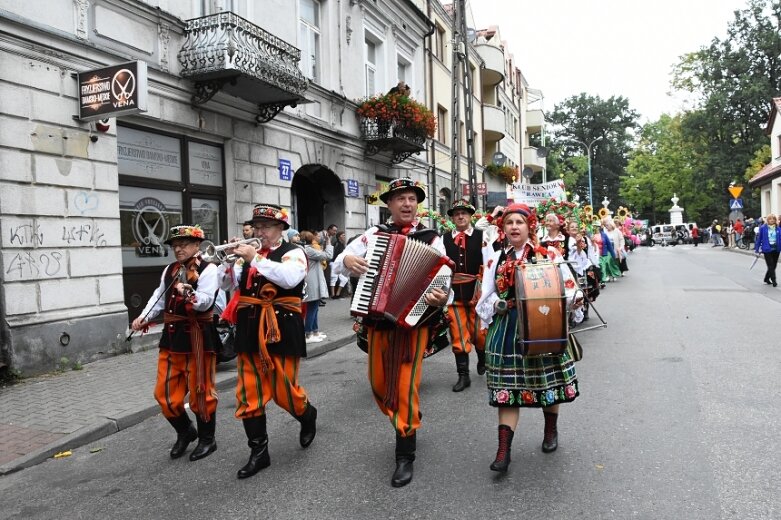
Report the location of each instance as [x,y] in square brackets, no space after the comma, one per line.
[677,420]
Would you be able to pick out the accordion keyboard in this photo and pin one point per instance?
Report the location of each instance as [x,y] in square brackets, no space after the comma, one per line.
[364,290]
[442,281]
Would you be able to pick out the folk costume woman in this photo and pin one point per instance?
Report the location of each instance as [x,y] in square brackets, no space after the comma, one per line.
[514,380]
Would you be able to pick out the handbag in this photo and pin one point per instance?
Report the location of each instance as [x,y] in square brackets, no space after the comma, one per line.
[574,348]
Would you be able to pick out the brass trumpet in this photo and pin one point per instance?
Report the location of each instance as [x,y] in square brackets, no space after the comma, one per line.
[221,254]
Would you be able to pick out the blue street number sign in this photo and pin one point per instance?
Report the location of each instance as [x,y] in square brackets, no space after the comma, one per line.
[352,188]
[285,170]
[736,204]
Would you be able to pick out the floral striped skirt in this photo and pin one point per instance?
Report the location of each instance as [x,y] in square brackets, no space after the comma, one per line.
[529,381]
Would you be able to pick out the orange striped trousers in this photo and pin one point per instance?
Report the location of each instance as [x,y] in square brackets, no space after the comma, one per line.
[406,419]
[254,389]
[176,377]
[465,328]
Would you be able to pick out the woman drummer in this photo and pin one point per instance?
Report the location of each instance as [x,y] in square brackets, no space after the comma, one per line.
[516,381]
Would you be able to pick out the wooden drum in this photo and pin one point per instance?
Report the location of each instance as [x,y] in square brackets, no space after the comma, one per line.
[542,309]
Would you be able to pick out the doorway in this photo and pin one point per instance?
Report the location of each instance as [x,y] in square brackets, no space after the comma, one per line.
[318,198]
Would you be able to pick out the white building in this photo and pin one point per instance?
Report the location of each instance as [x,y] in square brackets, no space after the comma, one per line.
[768,179]
[235,115]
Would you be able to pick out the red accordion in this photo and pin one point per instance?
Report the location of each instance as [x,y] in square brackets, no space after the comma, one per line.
[401,272]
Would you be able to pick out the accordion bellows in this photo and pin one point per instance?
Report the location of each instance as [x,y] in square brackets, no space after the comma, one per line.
[401,271]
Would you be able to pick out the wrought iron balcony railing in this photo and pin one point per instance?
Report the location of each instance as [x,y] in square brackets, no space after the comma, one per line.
[226,52]
[391,136]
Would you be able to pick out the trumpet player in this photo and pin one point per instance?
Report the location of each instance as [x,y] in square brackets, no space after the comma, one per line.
[186,362]
[266,309]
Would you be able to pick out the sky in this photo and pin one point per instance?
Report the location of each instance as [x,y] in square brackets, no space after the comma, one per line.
[605,47]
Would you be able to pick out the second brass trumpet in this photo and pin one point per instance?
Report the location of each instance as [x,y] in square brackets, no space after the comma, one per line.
[222,254]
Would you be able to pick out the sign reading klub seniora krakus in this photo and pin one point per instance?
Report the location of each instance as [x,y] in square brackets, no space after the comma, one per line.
[112,91]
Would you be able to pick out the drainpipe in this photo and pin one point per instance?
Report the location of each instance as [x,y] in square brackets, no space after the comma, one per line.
[431,173]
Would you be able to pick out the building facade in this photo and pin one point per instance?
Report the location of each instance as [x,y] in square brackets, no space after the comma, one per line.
[247,101]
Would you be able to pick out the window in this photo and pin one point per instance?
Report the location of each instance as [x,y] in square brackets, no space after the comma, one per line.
[309,38]
[164,180]
[441,125]
[439,43]
[404,70]
[371,67]
[401,71]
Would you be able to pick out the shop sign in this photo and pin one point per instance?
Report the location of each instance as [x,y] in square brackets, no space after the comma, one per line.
[113,91]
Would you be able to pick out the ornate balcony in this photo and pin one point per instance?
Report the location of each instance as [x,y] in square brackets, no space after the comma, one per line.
[393,137]
[225,52]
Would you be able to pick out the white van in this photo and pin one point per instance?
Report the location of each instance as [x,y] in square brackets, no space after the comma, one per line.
[663,235]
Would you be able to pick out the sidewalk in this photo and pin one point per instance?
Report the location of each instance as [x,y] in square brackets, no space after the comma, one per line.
[44,415]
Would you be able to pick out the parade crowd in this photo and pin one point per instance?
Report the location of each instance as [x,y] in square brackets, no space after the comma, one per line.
[485,276]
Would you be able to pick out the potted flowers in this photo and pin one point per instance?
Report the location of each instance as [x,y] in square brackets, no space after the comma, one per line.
[394,111]
[508,174]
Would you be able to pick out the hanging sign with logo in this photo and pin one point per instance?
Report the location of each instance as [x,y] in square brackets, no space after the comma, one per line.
[113,91]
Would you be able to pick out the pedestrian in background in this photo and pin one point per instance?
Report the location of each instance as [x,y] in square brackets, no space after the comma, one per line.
[738,228]
[187,360]
[268,285]
[315,283]
[293,236]
[327,237]
[515,380]
[339,281]
[247,231]
[695,234]
[767,244]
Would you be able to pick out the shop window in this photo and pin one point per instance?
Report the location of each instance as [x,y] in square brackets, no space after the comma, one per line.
[164,180]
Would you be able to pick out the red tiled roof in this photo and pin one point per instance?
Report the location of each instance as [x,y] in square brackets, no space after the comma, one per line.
[765,175]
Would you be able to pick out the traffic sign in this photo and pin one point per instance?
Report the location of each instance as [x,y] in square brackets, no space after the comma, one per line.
[736,204]
[735,191]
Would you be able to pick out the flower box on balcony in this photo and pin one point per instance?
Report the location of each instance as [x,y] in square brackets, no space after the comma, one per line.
[396,123]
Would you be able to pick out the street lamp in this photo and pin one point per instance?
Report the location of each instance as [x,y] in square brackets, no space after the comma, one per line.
[588,154]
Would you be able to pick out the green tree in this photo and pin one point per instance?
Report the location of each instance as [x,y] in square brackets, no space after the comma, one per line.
[661,165]
[732,81]
[610,124]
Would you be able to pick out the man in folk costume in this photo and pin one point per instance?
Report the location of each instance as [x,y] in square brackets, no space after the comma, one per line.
[396,354]
[464,246]
[187,358]
[269,333]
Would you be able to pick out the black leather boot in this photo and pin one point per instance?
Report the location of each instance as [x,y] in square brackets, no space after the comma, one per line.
[206,442]
[308,422]
[462,366]
[551,440]
[502,460]
[480,361]
[405,456]
[185,434]
[257,440]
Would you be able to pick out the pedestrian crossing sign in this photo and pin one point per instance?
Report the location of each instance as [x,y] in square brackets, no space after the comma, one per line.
[736,204]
